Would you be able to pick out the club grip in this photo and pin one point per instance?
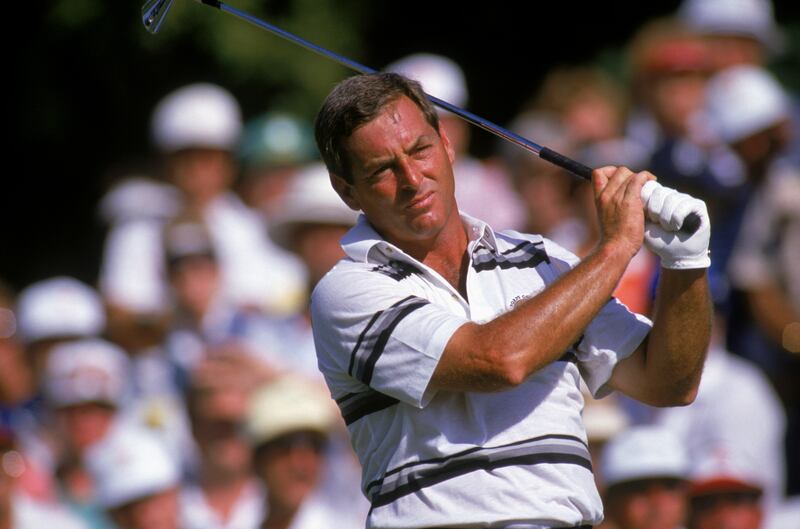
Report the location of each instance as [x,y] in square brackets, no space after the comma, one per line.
[576,168]
[691,223]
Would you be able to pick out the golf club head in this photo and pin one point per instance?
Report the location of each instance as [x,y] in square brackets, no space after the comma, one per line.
[153,14]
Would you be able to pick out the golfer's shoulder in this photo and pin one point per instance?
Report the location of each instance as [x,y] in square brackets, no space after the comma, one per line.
[348,282]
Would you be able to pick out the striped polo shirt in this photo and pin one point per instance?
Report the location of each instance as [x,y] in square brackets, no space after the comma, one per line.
[515,458]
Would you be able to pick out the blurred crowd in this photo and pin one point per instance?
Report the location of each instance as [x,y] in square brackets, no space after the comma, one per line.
[180,390]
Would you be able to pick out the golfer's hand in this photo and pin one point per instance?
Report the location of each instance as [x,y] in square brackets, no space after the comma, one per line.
[666,210]
[617,192]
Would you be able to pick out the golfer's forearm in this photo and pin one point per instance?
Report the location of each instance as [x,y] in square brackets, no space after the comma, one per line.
[505,351]
[677,344]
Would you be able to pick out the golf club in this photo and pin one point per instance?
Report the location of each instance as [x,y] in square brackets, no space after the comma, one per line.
[154,12]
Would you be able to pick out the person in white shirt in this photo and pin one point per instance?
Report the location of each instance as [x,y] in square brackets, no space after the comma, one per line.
[455,352]
[196,130]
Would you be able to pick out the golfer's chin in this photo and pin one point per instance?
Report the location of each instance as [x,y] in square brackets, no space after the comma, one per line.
[425,226]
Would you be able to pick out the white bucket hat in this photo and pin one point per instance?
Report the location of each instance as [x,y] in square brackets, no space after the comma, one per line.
[744,100]
[59,307]
[86,371]
[439,76]
[310,199]
[130,464]
[746,18]
[289,404]
[643,452]
[197,115]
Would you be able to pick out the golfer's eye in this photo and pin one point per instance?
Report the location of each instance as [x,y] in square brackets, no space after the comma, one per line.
[380,172]
[422,150]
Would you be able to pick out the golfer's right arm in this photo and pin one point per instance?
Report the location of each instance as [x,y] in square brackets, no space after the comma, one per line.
[502,353]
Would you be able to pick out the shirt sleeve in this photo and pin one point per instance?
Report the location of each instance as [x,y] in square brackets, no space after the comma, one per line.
[613,335]
[370,331]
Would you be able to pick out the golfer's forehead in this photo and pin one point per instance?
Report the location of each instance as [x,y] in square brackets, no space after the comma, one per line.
[399,125]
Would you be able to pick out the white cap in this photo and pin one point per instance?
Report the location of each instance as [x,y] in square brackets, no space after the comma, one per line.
[603,419]
[187,238]
[130,464]
[197,115]
[86,371]
[139,197]
[439,76]
[727,467]
[746,18]
[289,404]
[59,307]
[643,452]
[310,199]
[744,100]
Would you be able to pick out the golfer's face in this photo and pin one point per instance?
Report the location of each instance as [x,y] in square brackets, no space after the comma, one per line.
[402,174]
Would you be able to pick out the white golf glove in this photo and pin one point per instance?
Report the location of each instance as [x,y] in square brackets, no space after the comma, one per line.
[666,210]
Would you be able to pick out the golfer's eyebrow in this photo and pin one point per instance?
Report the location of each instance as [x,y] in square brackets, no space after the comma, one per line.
[379,163]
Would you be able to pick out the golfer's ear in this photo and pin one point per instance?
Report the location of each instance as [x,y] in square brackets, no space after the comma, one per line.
[451,153]
[345,191]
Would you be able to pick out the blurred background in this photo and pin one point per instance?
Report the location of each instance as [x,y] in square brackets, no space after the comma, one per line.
[86,77]
[169,217]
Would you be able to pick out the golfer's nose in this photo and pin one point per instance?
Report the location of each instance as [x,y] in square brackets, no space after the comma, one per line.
[409,174]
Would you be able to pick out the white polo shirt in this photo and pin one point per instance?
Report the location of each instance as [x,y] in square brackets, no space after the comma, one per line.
[516,458]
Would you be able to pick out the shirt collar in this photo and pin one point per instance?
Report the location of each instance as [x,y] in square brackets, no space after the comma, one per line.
[361,242]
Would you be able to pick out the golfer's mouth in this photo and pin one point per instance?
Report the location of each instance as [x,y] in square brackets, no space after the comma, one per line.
[421,202]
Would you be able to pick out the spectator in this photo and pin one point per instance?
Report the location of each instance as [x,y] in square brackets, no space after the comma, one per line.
[668,66]
[17,509]
[196,129]
[311,221]
[737,31]
[593,108]
[749,422]
[50,312]
[137,481]
[742,33]
[763,271]
[17,390]
[288,425]
[477,179]
[134,208]
[86,387]
[311,224]
[274,147]
[54,311]
[205,324]
[545,190]
[223,492]
[725,494]
[749,110]
[645,471]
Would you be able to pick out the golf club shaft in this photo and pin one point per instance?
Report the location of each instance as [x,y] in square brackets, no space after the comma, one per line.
[543,152]
[691,222]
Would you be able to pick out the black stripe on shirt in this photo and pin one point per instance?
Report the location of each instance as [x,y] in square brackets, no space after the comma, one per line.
[354,406]
[397,270]
[465,467]
[524,255]
[545,449]
[372,340]
[383,339]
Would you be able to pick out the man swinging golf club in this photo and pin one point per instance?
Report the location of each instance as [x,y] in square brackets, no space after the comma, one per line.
[455,352]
